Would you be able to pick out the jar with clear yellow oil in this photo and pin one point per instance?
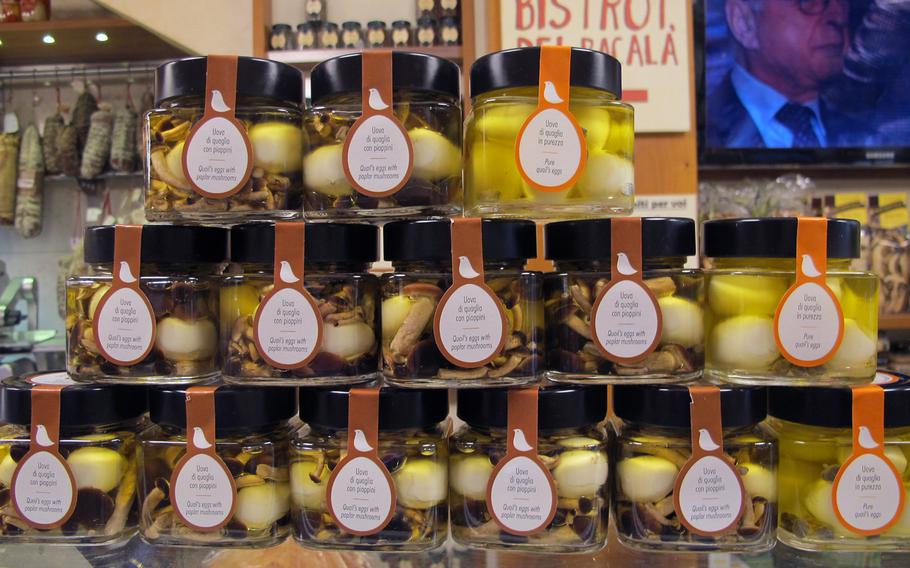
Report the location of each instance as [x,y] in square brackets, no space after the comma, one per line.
[505,93]
[813,426]
[754,268]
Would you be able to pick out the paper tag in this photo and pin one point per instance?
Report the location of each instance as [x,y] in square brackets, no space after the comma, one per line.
[470,321]
[551,151]
[868,493]
[709,497]
[203,491]
[377,155]
[360,494]
[287,328]
[218,156]
[124,324]
[809,323]
[43,486]
[626,323]
[521,494]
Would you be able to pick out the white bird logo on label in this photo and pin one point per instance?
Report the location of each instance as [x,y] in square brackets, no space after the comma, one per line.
[42,437]
[360,442]
[286,273]
[126,275]
[376,102]
[705,442]
[808,267]
[218,104]
[199,439]
[549,93]
[519,442]
[465,269]
[865,438]
[623,266]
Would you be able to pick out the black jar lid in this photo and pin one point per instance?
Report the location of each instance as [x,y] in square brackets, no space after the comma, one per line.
[255,78]
[309,26]
[832,407]
[350,25]
[281,27]
[412,71]
[330,27]
[401,24]
[774,237]
[431,239]
[399,409]
[520,67]
[590,239]
[238,410]
[668,405]
[166,244]
[557,407]
[81,405]
[374,24]
[323,242]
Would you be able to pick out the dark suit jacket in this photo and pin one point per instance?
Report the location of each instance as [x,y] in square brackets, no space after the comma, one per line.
[729,125]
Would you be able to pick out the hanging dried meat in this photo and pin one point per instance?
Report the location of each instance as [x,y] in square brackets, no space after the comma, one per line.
[98,144]
[68,151]
[9,154]
[123,140]
[52,127]
[85,106]
[30,184]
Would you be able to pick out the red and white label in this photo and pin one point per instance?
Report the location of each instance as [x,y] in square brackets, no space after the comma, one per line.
[868,494]
[809,322]
[470,321]
[551,151]
[521,493]
[58,378]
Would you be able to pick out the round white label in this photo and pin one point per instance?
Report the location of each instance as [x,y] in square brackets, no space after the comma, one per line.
[57,378]
[203,493]
[882,378]
[626,320]
[550,148]
[288,327]
[361,496]
[43,490]
[470,325]
[808,324]
[710,495]
[378,158]
[868,493]
[217,156]
[521,495]
[125,325]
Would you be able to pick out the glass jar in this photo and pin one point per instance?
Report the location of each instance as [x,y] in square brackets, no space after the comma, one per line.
[178,276]
[329,36]
[337,258]
[449,31]
[426,31]
[654,442]
[315,10]
[573,445]
[504,94]
[401,33]
[351,35]
[252,430]
[269,96]
[308,34]
[99,427]
[753,268]
[281,37]
[421,253]
[377,35]
[813,427]
[426,100]
[412,446]
[581,253]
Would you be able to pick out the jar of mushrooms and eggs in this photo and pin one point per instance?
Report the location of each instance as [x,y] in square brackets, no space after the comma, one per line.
[99,429]
[426,96]
[580,251]
[412,447]
[178,276]
[269,99]
[337,258]
[653,443]
[421,254]
[572,444]
[252,430]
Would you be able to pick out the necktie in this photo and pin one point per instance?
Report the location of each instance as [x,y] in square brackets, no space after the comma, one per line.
[798,120]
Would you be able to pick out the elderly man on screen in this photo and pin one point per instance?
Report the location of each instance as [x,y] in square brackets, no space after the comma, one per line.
[786,51]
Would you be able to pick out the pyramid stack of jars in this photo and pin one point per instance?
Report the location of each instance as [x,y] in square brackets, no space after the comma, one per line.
[239,375]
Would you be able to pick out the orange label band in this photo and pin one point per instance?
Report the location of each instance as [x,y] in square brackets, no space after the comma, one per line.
[520,481]
[355,511]
[709,496]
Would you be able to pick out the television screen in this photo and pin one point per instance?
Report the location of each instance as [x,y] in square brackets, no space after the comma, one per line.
[801,81]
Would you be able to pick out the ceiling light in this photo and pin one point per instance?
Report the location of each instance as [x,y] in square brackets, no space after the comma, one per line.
[101,36]
[48,38]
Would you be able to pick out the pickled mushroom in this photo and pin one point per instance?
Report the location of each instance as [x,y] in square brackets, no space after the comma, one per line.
[682,321]
[421,483]
[435,157]
[181,340]
[470,475]
[580,473]
[323,172]
[646,479]
[174,160]
[746,342]
[745,294]
[259,506]
[97,468]
[277,146]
